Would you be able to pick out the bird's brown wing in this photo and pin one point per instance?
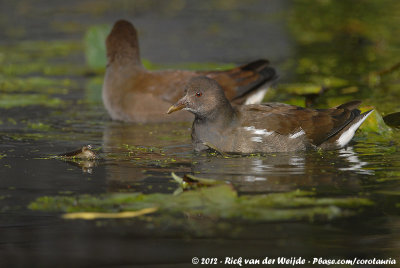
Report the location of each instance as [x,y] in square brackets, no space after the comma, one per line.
[319,125]
[242,80]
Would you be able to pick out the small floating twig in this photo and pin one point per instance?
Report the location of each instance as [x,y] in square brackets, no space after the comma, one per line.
[104,215]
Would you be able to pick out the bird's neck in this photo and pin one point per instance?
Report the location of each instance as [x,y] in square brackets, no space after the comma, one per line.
[124,55]
[222,117]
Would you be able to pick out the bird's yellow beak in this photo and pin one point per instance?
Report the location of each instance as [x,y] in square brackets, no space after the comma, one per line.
[177,106]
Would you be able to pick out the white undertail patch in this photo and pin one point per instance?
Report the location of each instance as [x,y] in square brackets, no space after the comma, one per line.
[257,97]
[297,134]
[349,134]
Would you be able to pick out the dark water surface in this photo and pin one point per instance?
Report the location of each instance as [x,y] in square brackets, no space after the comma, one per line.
[50,103]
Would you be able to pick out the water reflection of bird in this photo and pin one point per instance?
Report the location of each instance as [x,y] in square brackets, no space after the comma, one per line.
[355,164]
[267,127]
[87,166]
[281,172]
[132,93]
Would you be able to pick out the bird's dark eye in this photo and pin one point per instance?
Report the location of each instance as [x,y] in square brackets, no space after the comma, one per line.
[198,94]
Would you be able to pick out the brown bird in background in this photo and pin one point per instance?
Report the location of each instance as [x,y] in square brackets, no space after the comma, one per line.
[132,93]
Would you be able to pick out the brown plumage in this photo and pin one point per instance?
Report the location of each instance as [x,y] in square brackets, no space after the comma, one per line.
[268,127]
[132,93]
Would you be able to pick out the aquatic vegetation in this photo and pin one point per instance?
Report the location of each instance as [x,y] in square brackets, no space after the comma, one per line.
[95,48]
[41,67]
[35,84]
[39,57]
[218,202]
[20,100]
[39,126]
[32,50]
[363,57]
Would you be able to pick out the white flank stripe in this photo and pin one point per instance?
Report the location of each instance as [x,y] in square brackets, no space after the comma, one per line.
[263,132]
[256,139]
[297,134]
[259,131]
[249,128]
[349,134]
